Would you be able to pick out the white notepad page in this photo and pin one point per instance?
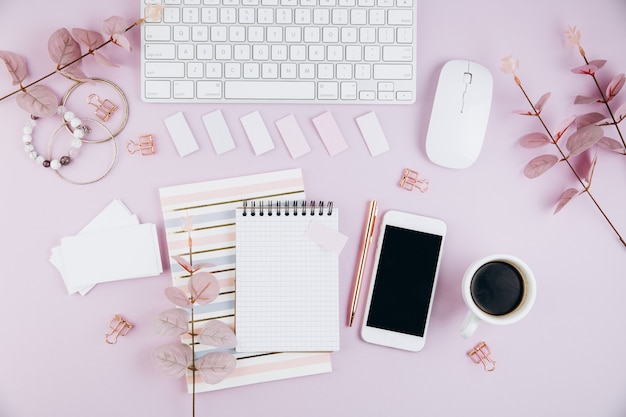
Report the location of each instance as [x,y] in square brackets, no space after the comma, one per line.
[287,284]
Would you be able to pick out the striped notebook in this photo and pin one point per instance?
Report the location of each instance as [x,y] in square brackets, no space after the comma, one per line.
[211,205]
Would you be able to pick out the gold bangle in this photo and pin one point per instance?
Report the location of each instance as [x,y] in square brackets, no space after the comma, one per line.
[119,92]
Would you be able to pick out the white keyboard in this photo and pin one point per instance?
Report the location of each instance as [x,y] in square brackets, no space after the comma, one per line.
[295,51]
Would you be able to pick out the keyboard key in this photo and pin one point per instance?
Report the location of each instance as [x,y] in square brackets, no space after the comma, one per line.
[278,90]
[397,53]
[157,89]
[157,33]
[393,72]
[165,69]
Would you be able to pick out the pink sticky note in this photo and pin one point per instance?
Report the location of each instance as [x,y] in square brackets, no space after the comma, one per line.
[326,237]
[292,136]
[329,132]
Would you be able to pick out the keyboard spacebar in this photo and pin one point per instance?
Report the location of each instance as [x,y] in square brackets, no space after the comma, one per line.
[269,90]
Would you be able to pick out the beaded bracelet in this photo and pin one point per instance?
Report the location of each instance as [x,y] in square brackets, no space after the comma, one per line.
[70,120]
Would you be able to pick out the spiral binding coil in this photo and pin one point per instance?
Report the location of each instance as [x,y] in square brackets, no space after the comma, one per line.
[287,208]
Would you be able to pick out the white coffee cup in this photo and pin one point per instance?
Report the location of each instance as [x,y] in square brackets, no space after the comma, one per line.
[517,299]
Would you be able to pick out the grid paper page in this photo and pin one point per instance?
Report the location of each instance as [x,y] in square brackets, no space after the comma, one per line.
[287,285]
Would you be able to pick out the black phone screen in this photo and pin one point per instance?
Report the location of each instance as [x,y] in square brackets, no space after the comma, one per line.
[404,280]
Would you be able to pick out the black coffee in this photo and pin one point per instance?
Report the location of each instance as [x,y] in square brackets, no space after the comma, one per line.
[497,288]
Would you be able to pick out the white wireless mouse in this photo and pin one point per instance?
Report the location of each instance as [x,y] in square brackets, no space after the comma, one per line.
[460,113]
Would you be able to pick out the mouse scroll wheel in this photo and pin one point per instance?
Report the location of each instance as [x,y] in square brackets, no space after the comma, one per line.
[467,77]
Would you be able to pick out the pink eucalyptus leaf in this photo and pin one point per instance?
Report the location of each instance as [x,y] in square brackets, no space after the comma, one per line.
[539,165]
[592,168]
[73,72]
[598,63]
[173,359]
[589,119]
[218,334]
[615,86]
[114,25]
[178,297]
[89,38]
[534,140]
[565,198]
[16,65]
[563,126]
[588,69]
[203,288]
[611,145]
[39,100]
[214,367]
[122,41]
[104,60]
[183,262]
[583,139]
[542,101]
[586,100]
[63,49]
[172,322]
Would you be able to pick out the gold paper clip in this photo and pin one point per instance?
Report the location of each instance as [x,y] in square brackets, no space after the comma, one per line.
[480,354]
[104,109]
[144,145]
[411,179]
[119,327]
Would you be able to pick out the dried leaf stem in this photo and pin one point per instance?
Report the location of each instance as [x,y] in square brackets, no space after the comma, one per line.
[566,159]
[60,68]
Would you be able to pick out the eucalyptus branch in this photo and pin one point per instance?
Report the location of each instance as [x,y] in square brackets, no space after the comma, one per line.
[59,68]
[577,144]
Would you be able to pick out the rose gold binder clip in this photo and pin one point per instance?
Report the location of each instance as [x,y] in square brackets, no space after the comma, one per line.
[119,327]
[104,109]
[144,145]
[411,179]
[480,354]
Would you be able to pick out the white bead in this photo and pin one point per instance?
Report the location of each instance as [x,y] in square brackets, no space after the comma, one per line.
[55,164]
[61,110]
[68,115]
[33,122]
[39,159]
[75,122]
[27,138]
[28,130]
[76,143]
[79,133]
[72,152]
[29,148]
[33,155]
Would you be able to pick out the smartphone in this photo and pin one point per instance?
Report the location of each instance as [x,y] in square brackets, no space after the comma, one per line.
[404,277]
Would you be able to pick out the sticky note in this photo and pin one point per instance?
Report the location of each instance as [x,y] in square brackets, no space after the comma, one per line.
[326,237]
[372,133]
[258,135]
[218,131]
[329,132]
[180,133]
[293,137]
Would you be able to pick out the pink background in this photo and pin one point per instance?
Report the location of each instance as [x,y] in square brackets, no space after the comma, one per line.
[566,357]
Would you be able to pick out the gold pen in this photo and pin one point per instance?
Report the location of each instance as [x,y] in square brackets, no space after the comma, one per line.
[367,237]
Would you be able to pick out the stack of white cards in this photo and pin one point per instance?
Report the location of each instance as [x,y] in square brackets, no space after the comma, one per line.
[112,247]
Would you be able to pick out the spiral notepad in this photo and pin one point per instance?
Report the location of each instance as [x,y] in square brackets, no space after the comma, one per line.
[287,282]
